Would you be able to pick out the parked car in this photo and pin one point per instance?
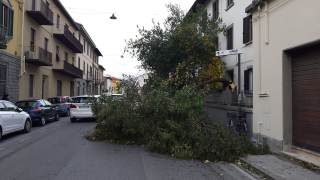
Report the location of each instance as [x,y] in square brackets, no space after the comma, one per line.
[81,108]
[41,111]
[13,119]
[62,104]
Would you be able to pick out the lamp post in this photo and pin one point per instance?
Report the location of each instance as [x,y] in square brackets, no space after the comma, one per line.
[113,17]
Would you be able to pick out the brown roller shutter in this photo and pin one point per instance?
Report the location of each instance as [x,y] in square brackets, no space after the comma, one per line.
[306,98]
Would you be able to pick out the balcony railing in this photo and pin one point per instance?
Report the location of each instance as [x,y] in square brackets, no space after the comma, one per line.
[69,40]
[70,70]
[229,98]
[41,12]
[3,37]
[38,56]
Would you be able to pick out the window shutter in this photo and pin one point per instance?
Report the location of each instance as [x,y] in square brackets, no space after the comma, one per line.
[245,30]
[10,22]
[246,80]
[1,13]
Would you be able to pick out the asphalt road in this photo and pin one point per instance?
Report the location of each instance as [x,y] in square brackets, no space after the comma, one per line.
[59,151]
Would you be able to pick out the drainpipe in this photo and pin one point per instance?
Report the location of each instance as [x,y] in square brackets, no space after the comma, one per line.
[23,63]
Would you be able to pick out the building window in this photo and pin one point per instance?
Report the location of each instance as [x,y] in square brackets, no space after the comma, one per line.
[73,61]
[3,79]
[229,34]
[230,75]
[79,64]
[31,85]
[46,42]
[57,53]
[58,21]
[66,56]
[248,81]
[230,3]
[7,19]
[247,29]
[59,88]
[32,40]
[84,45]
[71,88]
[215,10]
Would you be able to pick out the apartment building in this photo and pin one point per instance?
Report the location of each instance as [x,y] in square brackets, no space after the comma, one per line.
[237,35]
[88,62]
[11,12]
[59,54]
[286,43]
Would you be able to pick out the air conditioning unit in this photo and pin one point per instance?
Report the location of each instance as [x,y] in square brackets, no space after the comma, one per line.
[30,55]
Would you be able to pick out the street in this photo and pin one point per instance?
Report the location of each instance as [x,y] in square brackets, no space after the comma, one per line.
[59,151]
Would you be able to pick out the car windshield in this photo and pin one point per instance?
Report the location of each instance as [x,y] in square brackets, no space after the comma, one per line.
[83,99]
[26,104]
[55,100]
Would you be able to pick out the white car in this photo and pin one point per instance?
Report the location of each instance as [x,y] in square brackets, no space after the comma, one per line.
[13,119]
[80,108]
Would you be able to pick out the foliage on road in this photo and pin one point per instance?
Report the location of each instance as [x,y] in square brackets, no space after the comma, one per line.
[168,122]
[168,115]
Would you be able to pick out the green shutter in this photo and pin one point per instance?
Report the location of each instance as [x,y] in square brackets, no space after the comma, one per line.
[10,21]
[1,13]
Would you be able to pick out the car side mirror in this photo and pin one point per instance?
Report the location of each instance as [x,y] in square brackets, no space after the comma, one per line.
[19,110]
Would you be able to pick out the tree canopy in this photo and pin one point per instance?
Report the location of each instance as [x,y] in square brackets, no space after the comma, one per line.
[185,41]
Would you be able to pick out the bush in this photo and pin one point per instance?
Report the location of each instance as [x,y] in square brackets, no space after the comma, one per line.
[169,123]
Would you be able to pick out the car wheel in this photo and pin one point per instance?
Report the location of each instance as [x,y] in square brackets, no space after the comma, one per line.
[43,121]
[27,126]
[57,117]
[72,120]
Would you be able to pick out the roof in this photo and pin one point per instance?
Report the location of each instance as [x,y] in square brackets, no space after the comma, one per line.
[254,6]
[115,79]
[65,12]
[101,67]
[196,4]
[85,33]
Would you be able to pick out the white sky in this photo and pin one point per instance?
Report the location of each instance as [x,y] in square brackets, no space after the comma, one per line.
[110,35]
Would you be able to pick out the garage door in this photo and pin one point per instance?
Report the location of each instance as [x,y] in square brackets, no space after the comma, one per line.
[306,98]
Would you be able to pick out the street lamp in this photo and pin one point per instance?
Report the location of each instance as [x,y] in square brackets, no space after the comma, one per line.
[113,17]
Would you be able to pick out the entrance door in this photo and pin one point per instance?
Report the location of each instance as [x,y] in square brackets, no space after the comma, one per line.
[45,87]
[3,79]
[306,98]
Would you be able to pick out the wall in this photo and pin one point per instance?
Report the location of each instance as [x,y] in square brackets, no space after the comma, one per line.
[280,25]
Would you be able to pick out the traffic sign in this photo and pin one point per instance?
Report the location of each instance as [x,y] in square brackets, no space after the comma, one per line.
[228,52]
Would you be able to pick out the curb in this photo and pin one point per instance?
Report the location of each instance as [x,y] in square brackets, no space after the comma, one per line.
[257,173]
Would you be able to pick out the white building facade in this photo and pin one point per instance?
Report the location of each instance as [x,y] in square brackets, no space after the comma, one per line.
[286,43]
[237,35]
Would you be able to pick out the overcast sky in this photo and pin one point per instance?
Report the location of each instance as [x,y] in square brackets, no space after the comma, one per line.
[110,35]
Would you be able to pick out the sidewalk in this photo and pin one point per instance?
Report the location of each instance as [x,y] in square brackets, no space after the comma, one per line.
[280,169]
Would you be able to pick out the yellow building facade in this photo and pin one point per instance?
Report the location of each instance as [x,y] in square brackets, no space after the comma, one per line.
[11,12]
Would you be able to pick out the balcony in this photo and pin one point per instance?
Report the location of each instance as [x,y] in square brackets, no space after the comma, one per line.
[229,98]
[40,12]
[38,56]
[70,70]
[68,39]
[4,37]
